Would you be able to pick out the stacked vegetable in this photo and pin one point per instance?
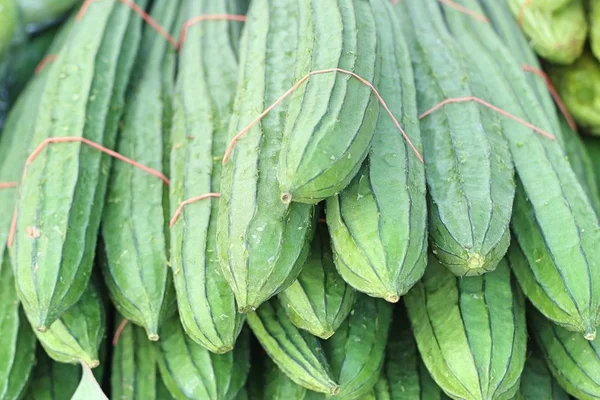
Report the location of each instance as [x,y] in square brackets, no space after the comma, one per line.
[342,199]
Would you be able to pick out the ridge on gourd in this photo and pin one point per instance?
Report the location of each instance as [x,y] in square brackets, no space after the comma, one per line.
[17,341]
[331,118]
[407,377]
[76,336]
[261,242]
[51,379]
[296,352]
[554,221]
[378,224]
[469,172]
[133,227]
[319,300]
[190,371]
[507,28]
[134,372]
[537,382]
[573,360]
[59,213]
[278,386]
[357,350]
[470,331]
[206,86]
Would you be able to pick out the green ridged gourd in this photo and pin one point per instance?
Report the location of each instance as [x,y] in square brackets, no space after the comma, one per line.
[357,350]
[556,29]
[17,341]
[573,360]
[134,373]
[470,178]
[554,222]
[331,118]
[537,382]
[135,265]
[261,242]
[406,377]
[203,103]
[278,386]
[61,199]
[296,352]
[470,331]
[51,379]
[507,28]
[77,335]
[191,372]
[319,300]
[378,224]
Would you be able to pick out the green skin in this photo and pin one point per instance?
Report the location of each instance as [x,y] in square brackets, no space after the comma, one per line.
[17,340]
[52,270]
[574,361]
[134,372]
[331,118]
[470,331]
[319,300]
[190,371]
[594,20]
[579,89]
[261,242]
[378,224]
[38,14]
[557,30]
[52,380]
[357,350]
[206,86]
[556,227]
[296,352]
[537,382]
[468,168]
[133,226]
[76,336]
[406,376]
[592,146]
[9,20]
[507,28]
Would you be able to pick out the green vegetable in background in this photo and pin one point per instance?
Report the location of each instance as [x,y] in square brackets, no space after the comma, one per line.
[579,88]
[556,28]
[8,23]
[38,14]
[594,18]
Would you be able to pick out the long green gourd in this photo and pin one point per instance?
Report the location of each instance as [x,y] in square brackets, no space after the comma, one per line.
[134,372]
[406,377]
[537,382]
[133,227]
[52,380]
[206,86]
[468,169]
[17,341]
[319,300]
[61,199]
[191,372]
[553,221]
[573,360]
[76,336]
[592,146]
[508,29]
[278,386]
[331,118]
[378,224]
[357,350]
[261,242]
[470,332]
[296,352]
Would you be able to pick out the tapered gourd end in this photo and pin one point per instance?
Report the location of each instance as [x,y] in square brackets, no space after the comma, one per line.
[392,297]
[153,337]
[286,198]
[246,309]
[41,328]
[222,349]
[324,333]
[92,363]
[335,390]
[590,334]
